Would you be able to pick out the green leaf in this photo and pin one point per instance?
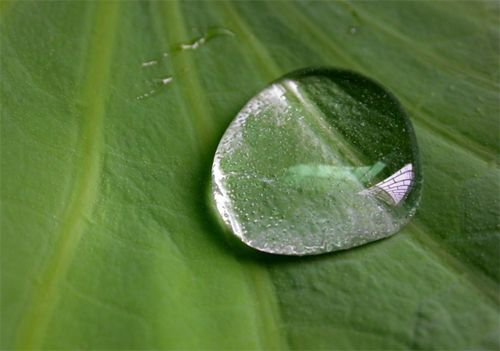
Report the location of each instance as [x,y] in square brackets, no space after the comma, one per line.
[107,241]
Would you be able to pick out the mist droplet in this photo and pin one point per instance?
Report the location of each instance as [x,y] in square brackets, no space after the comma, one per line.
[328,152]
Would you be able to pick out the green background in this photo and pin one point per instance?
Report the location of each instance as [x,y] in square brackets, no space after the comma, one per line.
[106,239]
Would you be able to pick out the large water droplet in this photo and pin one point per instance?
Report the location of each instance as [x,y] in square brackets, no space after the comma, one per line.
[320,160]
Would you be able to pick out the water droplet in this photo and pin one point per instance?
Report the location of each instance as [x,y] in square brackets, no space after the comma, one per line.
[146,95]
[149,63]
[353,30]
[210,34]
[166,80]
[156,83]
[329,152]
[193,44]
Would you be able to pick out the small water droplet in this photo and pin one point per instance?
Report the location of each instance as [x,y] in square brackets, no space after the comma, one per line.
[146,95]
[149,63]
[166,80]
[157,83]
[353,29]
[339,171]
[193,44]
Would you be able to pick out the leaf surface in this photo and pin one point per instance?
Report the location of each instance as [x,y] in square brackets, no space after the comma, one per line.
[107,241]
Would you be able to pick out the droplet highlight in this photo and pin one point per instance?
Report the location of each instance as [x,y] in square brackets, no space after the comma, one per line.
[320,160]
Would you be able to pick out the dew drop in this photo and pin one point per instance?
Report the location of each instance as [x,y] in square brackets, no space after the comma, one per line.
[146,95]
[149,63]
[166,80]
[320,160]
